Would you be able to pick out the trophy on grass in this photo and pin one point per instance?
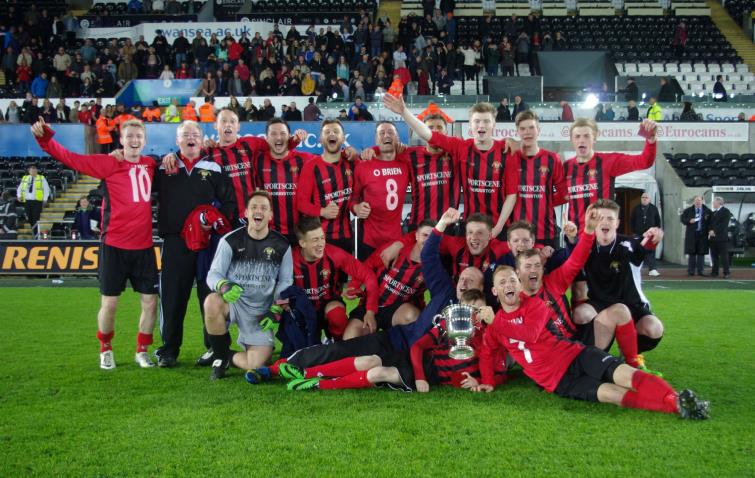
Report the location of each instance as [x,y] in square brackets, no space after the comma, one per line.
[461,323]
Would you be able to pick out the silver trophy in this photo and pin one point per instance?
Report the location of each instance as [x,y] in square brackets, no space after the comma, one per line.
[461,323]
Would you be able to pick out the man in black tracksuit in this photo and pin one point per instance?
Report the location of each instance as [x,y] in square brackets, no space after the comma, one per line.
[198,180]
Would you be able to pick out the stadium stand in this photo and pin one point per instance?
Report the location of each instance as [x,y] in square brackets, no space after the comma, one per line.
[715,169]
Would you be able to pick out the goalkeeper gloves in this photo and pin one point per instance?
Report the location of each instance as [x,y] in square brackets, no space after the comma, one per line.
[230,291]
[271,318]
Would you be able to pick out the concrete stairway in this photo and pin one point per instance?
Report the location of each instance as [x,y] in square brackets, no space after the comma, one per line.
[733,33]
[64,202]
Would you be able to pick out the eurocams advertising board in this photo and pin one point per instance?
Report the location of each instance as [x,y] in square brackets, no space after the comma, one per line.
[161,138]
[696,132]
[52,257]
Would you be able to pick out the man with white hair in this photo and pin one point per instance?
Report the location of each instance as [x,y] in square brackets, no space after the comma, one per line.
[197,181]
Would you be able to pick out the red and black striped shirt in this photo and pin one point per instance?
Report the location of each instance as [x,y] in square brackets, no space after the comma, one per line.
[537,178]
[447,370]
[320,183]
[484,176]
[401,281]
[236,162]
[462,257]
[556,283]
[280,178]
[435,184]
[323,279]
[587,182]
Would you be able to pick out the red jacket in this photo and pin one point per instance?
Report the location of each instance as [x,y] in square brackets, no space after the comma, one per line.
[196,236]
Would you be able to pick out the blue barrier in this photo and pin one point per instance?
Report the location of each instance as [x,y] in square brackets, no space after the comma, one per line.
[17,139]
[144,92]
[161,138]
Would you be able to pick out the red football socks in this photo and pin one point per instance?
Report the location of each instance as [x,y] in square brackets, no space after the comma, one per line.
[275,368]
[143,341]
[650,393]
[626,337]
[337,321]
[105,340]
[655,388]
[354,380]
[339,368]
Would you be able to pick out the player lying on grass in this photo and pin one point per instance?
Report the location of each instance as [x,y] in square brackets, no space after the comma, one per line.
[427,362]
[614,289]
[443,292]
[126,251]
[524,328]
[251,267]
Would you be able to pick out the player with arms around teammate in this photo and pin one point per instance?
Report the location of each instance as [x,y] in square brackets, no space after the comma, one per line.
[251,267]
[524,328]
[379,190]
[538,172]
[126,250]
[486,180]
[325,186]
[591,175]
[614,283]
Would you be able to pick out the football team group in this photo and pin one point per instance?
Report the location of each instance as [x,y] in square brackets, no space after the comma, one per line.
[265,232]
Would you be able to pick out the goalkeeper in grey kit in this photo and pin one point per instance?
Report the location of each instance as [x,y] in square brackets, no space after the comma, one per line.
[251,267]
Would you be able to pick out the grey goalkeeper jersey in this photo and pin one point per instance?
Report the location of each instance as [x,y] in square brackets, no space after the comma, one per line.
[264,268]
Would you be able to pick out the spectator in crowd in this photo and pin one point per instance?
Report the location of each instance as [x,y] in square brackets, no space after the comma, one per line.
[688,113]
[86,219]
[342,115]
[249,112]
[600,115]
[60,113]
[471,55]
[135,6]
[73,113]
[167,74]
[519,106]
[54,89]
[293,114]
[679,41]
[644,216]
[719,91]
[311,111]
[633,113]
[47,111]
[631,92]
[39,86]
[609,114]
[567,114]
[666,93]
[268,110]
[504,112]
[654,112]
[13,113]
[209,86]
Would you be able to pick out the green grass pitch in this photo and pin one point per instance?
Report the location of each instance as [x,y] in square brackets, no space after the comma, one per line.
[60,415]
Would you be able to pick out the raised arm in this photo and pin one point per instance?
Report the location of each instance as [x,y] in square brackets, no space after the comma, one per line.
[397,105]
[97,165]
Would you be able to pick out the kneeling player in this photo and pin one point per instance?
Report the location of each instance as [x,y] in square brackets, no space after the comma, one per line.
[321,269]
[523,327]
[551,288]
[401,285]
[613,279]
[251,267]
